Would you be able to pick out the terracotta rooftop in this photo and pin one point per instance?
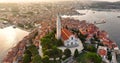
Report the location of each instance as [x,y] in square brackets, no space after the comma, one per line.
[102,52]
[110,44]
[65,34]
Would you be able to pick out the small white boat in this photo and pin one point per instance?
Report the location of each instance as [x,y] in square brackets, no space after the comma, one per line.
[102,22]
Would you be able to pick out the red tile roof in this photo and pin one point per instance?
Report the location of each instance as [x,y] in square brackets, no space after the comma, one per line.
[106,43]
[109,44]
[65,34]
[114,45]
[83,31]
[102,52]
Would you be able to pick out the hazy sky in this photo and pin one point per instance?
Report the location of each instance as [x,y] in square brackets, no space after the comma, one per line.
[108,0]
[49,0]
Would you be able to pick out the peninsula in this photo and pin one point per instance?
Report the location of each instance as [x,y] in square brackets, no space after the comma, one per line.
[64,41]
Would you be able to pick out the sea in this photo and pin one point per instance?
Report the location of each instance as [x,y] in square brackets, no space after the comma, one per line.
[9,37]
[108,20]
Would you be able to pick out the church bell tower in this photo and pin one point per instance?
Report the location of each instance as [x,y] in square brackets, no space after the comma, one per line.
[58,27]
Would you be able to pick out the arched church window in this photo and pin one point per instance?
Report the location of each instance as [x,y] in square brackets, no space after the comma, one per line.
[71,43]
[71,38]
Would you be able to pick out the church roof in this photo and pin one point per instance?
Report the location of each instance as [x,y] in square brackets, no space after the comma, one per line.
[65,34]
[102,52]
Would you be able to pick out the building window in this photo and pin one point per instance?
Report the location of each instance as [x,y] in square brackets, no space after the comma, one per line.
[71,43]
[75,43]
[71,38]
[76,40]
[67,44]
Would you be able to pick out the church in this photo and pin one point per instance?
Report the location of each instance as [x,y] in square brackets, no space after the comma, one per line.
[68,38]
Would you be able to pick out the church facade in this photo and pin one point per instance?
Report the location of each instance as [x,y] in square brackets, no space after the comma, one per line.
[69,39]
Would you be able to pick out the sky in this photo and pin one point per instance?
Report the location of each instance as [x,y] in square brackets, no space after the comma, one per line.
[13,1]
[108,0]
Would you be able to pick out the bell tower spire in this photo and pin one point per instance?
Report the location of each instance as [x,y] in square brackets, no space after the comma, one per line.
[58,27]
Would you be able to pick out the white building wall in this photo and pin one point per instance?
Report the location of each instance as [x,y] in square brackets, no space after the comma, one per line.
[72,41]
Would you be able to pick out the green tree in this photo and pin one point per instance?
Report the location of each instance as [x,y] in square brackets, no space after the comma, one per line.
[47,52]
[45,59]
[82,37]
[46,43]
[109,55]
[54,53]
[76,53]
[60,54]
[27,52]
[33,50]
[36,59]
[90,57]
[26,58]
[96,38]
[67,53]
[59,42]
[91,48]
